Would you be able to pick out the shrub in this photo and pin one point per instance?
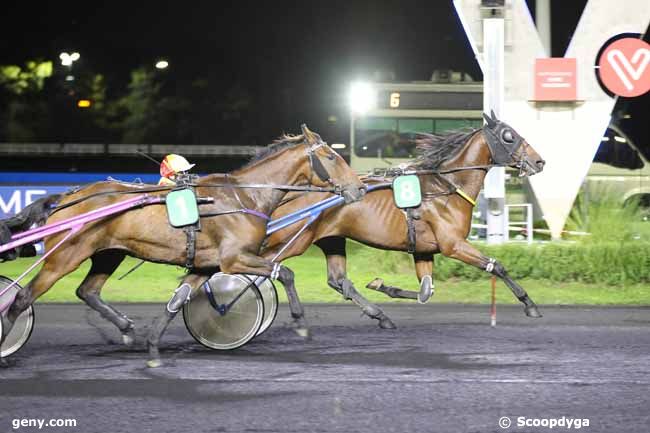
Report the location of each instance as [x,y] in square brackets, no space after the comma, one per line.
[613,263]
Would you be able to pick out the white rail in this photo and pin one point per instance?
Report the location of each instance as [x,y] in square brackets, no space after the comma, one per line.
[89,149]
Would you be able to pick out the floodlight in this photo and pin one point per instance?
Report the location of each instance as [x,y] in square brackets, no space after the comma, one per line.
[362,97]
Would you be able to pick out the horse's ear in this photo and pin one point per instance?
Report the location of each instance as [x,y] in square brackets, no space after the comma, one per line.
[310,137]
[494,116]
[491,123]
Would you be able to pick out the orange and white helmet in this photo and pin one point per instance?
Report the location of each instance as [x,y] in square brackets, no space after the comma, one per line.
[174,164]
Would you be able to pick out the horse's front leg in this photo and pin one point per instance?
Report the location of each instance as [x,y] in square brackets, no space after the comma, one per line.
[424,272]
[181,296]
[251,264]
[462,250]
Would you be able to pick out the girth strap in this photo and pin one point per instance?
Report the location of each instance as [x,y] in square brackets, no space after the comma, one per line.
[411,216]
[190,233]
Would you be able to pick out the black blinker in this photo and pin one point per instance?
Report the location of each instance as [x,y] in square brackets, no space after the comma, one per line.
[320,170]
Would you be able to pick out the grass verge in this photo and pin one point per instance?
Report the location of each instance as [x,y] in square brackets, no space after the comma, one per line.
[155,283]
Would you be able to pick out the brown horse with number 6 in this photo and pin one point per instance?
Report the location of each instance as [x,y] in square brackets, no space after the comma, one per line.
[451,169]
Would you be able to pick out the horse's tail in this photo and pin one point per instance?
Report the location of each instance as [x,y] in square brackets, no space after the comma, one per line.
[34,214]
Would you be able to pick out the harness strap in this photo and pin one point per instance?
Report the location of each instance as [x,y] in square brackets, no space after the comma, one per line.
[410,224]
[335,190]
[190,245]
[234,191]
[455,189]
[253,212]
[190,230]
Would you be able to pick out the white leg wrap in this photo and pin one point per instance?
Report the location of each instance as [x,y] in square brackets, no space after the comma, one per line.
[490,266]
[276,271]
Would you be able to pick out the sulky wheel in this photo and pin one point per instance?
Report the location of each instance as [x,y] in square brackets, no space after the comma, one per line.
[225,313]
[22,329]
[270,298]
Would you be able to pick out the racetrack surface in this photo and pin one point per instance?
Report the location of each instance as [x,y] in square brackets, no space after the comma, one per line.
[443,370]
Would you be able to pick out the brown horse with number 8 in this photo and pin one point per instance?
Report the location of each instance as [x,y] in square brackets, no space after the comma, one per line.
[451,169]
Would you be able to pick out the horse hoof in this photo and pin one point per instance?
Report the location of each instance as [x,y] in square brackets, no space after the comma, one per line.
[426,289]
[128,338]
[375,284]
[386,323]
[302,332]
[424,295]
[154,363]
[532,311]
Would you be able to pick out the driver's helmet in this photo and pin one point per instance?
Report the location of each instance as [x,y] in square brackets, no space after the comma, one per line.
[174,164]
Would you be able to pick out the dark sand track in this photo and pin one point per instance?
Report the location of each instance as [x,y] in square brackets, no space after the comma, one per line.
[443,370]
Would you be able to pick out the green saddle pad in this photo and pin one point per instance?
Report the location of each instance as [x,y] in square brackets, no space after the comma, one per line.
[182,209]
[406,191]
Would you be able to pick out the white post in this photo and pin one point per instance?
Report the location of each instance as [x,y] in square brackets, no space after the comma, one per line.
[529,223]
[543,22]
[493,90]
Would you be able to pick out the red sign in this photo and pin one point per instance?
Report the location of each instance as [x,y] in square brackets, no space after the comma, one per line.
[555,79]
[624,67]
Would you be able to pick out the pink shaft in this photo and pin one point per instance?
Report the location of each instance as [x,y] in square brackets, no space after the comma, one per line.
[54,228]
[36,263]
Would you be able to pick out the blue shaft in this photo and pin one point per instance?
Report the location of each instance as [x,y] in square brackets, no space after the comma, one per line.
[315,209]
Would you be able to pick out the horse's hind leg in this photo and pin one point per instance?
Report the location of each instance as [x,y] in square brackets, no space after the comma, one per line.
[424,271]
[58,265]
[104,263]
[334,250]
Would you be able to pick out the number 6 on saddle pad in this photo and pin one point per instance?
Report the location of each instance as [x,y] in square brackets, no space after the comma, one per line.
[181,208]
[406,191]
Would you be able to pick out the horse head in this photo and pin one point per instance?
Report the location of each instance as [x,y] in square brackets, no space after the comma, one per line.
[330,168]
[508,148]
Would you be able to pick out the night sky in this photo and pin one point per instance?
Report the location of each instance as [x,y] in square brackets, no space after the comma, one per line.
[297,58]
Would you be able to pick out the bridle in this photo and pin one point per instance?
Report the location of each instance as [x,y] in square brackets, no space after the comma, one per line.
[316,166]
[504,142]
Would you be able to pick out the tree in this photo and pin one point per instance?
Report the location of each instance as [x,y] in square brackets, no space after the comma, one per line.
[25,114]
[20,81]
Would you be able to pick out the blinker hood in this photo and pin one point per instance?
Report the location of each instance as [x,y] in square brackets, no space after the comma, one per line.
[502,139]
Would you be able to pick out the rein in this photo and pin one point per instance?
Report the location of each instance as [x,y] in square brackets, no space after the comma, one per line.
[315,164]
[335,190]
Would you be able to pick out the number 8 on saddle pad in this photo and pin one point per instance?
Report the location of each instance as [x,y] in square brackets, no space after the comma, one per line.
[406,191]
[181,208]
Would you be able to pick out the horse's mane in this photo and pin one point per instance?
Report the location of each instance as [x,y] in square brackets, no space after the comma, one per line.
[435,149]
[283,142]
